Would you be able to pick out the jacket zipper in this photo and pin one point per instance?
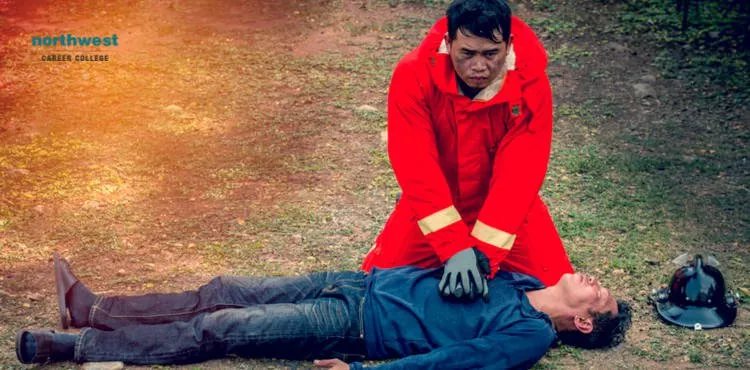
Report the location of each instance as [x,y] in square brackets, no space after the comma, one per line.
[457,191]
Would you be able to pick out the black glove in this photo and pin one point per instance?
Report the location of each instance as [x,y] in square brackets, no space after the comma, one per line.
[464,276]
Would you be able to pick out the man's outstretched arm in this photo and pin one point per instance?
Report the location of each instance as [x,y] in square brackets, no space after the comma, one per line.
[510,349]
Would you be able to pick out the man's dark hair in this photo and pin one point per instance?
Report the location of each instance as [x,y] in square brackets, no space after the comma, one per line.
[609,330]
[480,17]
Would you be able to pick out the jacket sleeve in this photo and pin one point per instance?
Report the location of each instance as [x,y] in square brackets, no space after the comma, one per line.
[514,349]
[413,153]
[520,165]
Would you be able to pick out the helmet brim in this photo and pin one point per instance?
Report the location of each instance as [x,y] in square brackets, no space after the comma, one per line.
[707,317]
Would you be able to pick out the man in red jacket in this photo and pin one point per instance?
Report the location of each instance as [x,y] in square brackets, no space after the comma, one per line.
[469,136]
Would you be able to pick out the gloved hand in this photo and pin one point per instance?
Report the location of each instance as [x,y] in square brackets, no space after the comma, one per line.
[464,276]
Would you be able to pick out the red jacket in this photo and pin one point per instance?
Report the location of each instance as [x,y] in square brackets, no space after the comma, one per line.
[469,169]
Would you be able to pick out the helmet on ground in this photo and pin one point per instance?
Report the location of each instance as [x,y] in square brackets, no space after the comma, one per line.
[697,298]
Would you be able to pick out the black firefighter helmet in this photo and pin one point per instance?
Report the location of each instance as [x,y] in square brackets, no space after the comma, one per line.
[697,298]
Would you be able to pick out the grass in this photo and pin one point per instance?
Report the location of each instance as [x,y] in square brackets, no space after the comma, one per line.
[553,26]
[37,169]
[709,51]
[569,55]
[286,174]
[631,197]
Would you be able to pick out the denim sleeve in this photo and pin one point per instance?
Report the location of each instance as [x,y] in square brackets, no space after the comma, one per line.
[355,366]
[500,350]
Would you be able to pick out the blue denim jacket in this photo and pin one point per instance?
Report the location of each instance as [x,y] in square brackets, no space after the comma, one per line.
[405,317]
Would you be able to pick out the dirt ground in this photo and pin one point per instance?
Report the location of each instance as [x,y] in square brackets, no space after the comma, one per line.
[246,137]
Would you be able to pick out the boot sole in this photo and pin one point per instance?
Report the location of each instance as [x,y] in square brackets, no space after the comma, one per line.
[19,355]
[59,285]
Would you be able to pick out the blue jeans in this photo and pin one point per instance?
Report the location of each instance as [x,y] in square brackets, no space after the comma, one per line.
[314,316]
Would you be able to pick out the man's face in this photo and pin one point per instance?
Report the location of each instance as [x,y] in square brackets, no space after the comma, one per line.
[584,292]
[477,60]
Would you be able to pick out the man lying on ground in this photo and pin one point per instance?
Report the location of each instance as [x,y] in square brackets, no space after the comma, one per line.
[352,316]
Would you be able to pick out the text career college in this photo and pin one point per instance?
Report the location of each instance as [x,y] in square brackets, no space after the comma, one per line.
[71,40]
[77,58]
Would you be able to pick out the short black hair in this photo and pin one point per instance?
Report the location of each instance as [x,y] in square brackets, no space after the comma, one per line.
[480,17]
[609,330]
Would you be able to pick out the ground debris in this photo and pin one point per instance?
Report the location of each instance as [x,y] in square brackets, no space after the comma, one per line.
[113,365]
[34,296]
[91,204]
[367,108]
[643,90]
[173,109]
[616,47]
